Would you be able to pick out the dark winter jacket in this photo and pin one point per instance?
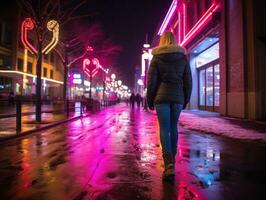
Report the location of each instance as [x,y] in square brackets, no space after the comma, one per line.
[169,76]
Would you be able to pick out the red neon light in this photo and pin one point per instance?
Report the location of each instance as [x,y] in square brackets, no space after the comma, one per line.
[200,24]
[27,24]
[88,67]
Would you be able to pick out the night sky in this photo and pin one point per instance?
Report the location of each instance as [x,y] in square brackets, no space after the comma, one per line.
[127,22]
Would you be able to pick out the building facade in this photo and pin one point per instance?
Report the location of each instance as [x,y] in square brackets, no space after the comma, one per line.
[18,67]
[225,42]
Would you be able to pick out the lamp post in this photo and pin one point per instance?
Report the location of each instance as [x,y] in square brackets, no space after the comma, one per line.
[145,62]
[104,84]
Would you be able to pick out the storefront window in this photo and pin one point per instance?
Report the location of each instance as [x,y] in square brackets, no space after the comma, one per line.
[209,86]
[5,84]
[208,55]
[202,87]
[216,85]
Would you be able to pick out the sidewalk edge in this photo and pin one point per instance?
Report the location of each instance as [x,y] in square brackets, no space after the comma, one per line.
[29,132]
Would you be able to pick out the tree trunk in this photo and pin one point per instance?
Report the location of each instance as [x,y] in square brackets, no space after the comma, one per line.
[90,87]
[39,84]
[65,75]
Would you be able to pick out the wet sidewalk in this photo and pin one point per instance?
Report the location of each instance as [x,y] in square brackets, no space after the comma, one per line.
[52,114]
[115,154]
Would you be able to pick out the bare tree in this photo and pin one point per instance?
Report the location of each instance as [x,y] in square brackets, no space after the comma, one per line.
[84,41]
[41,12]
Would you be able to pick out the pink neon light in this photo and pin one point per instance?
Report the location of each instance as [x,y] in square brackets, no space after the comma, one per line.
[95,61]
[200,24]
[87,65]
[168,17]
[27,24]
[184,19]
[179,27]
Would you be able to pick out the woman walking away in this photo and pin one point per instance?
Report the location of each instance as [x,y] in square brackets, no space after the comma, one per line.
[169,90]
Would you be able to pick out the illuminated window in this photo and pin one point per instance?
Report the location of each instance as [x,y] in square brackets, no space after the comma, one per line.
[5,84]
[5,62]
[45,72]
[29,68]
[217,85]
[202,88]
[209,86]
[20,65]
[208,55]
[52,74]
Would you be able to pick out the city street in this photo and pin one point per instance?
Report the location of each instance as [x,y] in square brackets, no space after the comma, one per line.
[116,154]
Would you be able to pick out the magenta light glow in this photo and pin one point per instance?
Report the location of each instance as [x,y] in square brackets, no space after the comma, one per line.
[168,17]
[184,35]
[90,68]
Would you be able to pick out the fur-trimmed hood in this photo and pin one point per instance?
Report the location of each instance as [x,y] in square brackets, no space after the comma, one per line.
[168,49]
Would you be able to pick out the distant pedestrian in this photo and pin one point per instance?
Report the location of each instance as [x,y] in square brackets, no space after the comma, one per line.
[11,99]
[138,99]
[168,90]
[132,99]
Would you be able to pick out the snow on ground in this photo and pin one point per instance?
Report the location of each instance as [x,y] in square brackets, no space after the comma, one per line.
[220,126]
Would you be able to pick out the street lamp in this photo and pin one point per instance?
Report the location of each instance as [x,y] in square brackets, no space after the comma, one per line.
[119,82]
[113,76]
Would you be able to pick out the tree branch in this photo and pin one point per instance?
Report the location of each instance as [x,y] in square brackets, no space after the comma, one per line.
[69,13]
[60,55]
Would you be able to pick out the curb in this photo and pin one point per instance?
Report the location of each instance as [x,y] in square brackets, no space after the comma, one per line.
[29,132]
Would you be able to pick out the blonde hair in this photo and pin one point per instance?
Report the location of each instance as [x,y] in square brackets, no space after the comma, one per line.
[167,38]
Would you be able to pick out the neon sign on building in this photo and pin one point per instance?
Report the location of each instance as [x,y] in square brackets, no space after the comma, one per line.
[179,9]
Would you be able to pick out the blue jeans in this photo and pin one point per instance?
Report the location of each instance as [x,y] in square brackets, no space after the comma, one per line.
[168,115]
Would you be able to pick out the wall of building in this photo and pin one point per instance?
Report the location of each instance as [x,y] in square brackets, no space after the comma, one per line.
[259,27]
[242,40]
[235,59]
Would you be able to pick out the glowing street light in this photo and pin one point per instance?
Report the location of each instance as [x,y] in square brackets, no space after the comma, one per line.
[140,82]
[113,76]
